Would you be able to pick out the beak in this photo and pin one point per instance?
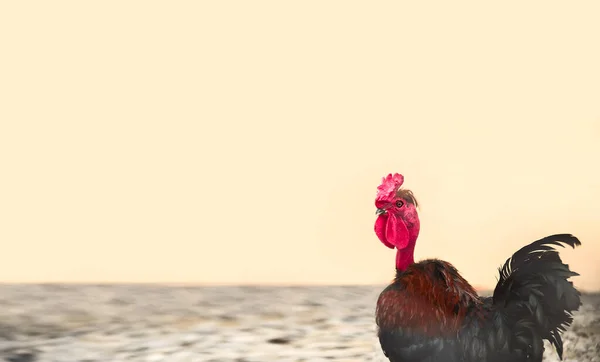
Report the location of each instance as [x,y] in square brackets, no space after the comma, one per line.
[380,211]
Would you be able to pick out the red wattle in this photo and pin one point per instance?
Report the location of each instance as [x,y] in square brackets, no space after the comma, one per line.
[380,230]
[396,232]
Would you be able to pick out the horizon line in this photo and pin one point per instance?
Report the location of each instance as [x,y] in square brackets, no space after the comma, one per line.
[225,285]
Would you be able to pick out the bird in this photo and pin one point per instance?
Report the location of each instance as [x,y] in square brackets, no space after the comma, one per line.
[430,313]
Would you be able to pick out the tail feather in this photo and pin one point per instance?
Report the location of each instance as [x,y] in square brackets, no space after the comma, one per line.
[534,286]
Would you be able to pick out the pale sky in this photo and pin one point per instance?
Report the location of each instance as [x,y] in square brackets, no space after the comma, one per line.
[242,142]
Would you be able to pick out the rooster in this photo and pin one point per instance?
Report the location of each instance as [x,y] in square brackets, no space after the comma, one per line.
[430,313]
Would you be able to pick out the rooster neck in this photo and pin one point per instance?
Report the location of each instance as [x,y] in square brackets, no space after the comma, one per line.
[405,258]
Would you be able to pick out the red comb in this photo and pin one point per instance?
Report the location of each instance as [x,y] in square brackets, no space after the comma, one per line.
[389,185]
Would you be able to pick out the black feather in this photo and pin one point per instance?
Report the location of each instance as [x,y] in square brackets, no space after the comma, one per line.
[533,284]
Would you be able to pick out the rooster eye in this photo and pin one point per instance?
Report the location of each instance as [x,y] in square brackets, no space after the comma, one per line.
[399,203]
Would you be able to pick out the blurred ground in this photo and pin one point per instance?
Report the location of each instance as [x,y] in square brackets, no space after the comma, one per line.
[156,323]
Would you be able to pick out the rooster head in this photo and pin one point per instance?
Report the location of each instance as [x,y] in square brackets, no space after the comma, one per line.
[397,224]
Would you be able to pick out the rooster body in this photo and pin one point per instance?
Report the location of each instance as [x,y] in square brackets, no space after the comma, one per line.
[430,313]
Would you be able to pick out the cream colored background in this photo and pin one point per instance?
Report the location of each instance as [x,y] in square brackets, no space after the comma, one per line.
[242,142]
